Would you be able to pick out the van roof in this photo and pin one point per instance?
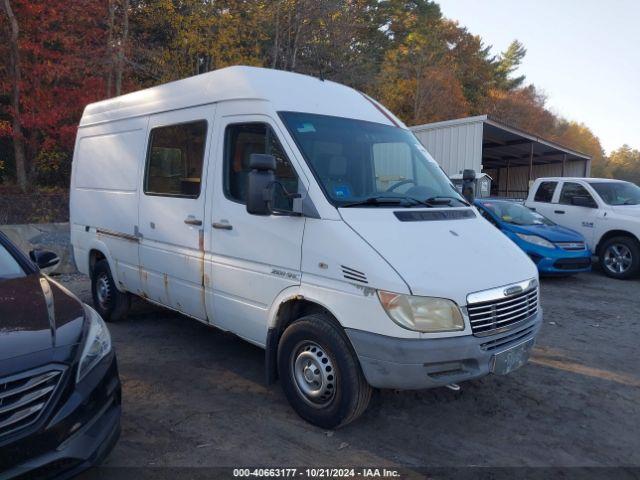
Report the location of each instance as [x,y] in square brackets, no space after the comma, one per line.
[287,91]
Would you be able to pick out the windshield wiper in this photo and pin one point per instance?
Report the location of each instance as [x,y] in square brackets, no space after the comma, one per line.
[385,200]
[443,200]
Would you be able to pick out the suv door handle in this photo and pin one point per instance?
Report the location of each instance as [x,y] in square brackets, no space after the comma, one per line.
[222,225]
[558,211]
[192,221]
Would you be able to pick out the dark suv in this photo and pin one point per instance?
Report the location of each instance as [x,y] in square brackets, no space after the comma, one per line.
[59,385]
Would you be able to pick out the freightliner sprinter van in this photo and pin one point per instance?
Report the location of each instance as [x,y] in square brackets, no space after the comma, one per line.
[304,217]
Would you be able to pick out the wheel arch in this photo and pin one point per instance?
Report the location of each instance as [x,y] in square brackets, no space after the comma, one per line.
[610,234]
[289,306]
[96,251]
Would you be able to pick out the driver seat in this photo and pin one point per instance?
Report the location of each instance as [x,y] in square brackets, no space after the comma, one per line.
[337,183]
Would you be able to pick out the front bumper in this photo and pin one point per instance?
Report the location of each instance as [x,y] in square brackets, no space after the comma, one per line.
[79,430]
[563,262]
[410,364]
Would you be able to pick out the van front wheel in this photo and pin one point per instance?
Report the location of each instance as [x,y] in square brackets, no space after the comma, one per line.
[109,302]
[320,374]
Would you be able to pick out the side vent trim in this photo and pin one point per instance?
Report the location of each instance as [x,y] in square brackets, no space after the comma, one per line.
[353,274]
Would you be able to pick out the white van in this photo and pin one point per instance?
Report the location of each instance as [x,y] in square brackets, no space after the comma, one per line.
[604,210]
[304,217]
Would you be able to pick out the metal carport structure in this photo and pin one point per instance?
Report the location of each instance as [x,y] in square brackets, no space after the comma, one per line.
[512,157]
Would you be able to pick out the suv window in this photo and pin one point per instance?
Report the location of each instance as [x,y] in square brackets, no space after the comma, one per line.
[174,160]
[545,192]
[570,190]
[241,140]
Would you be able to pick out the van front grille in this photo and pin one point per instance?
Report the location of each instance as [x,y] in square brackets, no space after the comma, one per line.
[23,398]
[495,316]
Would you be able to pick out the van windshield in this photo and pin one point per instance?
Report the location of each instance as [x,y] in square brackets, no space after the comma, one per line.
[366,164]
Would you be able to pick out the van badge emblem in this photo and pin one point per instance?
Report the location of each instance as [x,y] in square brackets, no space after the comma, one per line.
[512,290]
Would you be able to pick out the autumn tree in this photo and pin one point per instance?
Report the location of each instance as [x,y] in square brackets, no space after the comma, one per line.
[60,48]
[624,164]
[14,78]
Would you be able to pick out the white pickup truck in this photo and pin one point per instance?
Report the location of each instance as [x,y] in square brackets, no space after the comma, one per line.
[605,211]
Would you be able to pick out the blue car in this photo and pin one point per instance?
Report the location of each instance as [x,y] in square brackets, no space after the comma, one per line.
[554,249]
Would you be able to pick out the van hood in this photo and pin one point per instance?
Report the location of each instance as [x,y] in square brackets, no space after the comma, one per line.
[37,314]
[441,257]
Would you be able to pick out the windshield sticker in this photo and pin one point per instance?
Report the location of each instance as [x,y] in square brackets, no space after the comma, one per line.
[306,128]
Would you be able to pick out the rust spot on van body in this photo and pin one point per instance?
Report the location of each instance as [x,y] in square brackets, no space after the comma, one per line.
[204,278]
[366,291]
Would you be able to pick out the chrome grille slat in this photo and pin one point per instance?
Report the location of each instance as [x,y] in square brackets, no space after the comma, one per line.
[512,312]
[33,382]
[503,303]
[524,302]
[572,246]
[513,319]
[24,397]
[494,316]
[21,415]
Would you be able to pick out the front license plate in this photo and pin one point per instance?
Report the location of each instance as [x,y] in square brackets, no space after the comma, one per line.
[511,359]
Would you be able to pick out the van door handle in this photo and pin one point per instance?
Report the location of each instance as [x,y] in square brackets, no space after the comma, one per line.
[558,211]
[192,221]
[222,226]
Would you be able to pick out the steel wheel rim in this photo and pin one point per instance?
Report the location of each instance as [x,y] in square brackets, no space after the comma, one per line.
[103,290]
[313,374]
[618,258]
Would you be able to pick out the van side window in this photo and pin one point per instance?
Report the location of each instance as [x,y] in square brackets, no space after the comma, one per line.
[174,160]
[570,190]
[545,192]
[243,139]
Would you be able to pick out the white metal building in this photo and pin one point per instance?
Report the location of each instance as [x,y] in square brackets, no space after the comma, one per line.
[513,158]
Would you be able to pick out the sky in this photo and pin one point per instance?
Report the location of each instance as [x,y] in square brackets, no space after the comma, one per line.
[583,54]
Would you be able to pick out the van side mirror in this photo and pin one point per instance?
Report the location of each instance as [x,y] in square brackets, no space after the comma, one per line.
[583,201]
[260,183]
[44,258]
[469,185]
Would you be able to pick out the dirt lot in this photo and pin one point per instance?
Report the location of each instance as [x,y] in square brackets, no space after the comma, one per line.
[194,396]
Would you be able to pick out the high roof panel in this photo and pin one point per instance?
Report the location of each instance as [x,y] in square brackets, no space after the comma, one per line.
[287,91]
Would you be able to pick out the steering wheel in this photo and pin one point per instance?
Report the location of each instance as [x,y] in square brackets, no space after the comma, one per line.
[399,184]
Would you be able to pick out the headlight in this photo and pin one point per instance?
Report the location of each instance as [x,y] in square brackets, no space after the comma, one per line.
[96,346]
[536,240]
[422,314]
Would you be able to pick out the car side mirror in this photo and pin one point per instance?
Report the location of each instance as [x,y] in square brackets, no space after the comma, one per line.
[260,183]
[583,201]
[44,258]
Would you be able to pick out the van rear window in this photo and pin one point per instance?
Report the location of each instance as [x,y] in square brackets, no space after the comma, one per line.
[174,160]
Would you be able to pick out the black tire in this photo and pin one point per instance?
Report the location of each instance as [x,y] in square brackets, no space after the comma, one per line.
[109,302]
[619,251]
[349,394]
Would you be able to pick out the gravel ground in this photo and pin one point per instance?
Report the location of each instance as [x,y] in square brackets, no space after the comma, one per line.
[194,396]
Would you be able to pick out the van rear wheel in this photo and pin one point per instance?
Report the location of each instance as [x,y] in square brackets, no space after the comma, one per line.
[620,257]
[320,374]
[109,302]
